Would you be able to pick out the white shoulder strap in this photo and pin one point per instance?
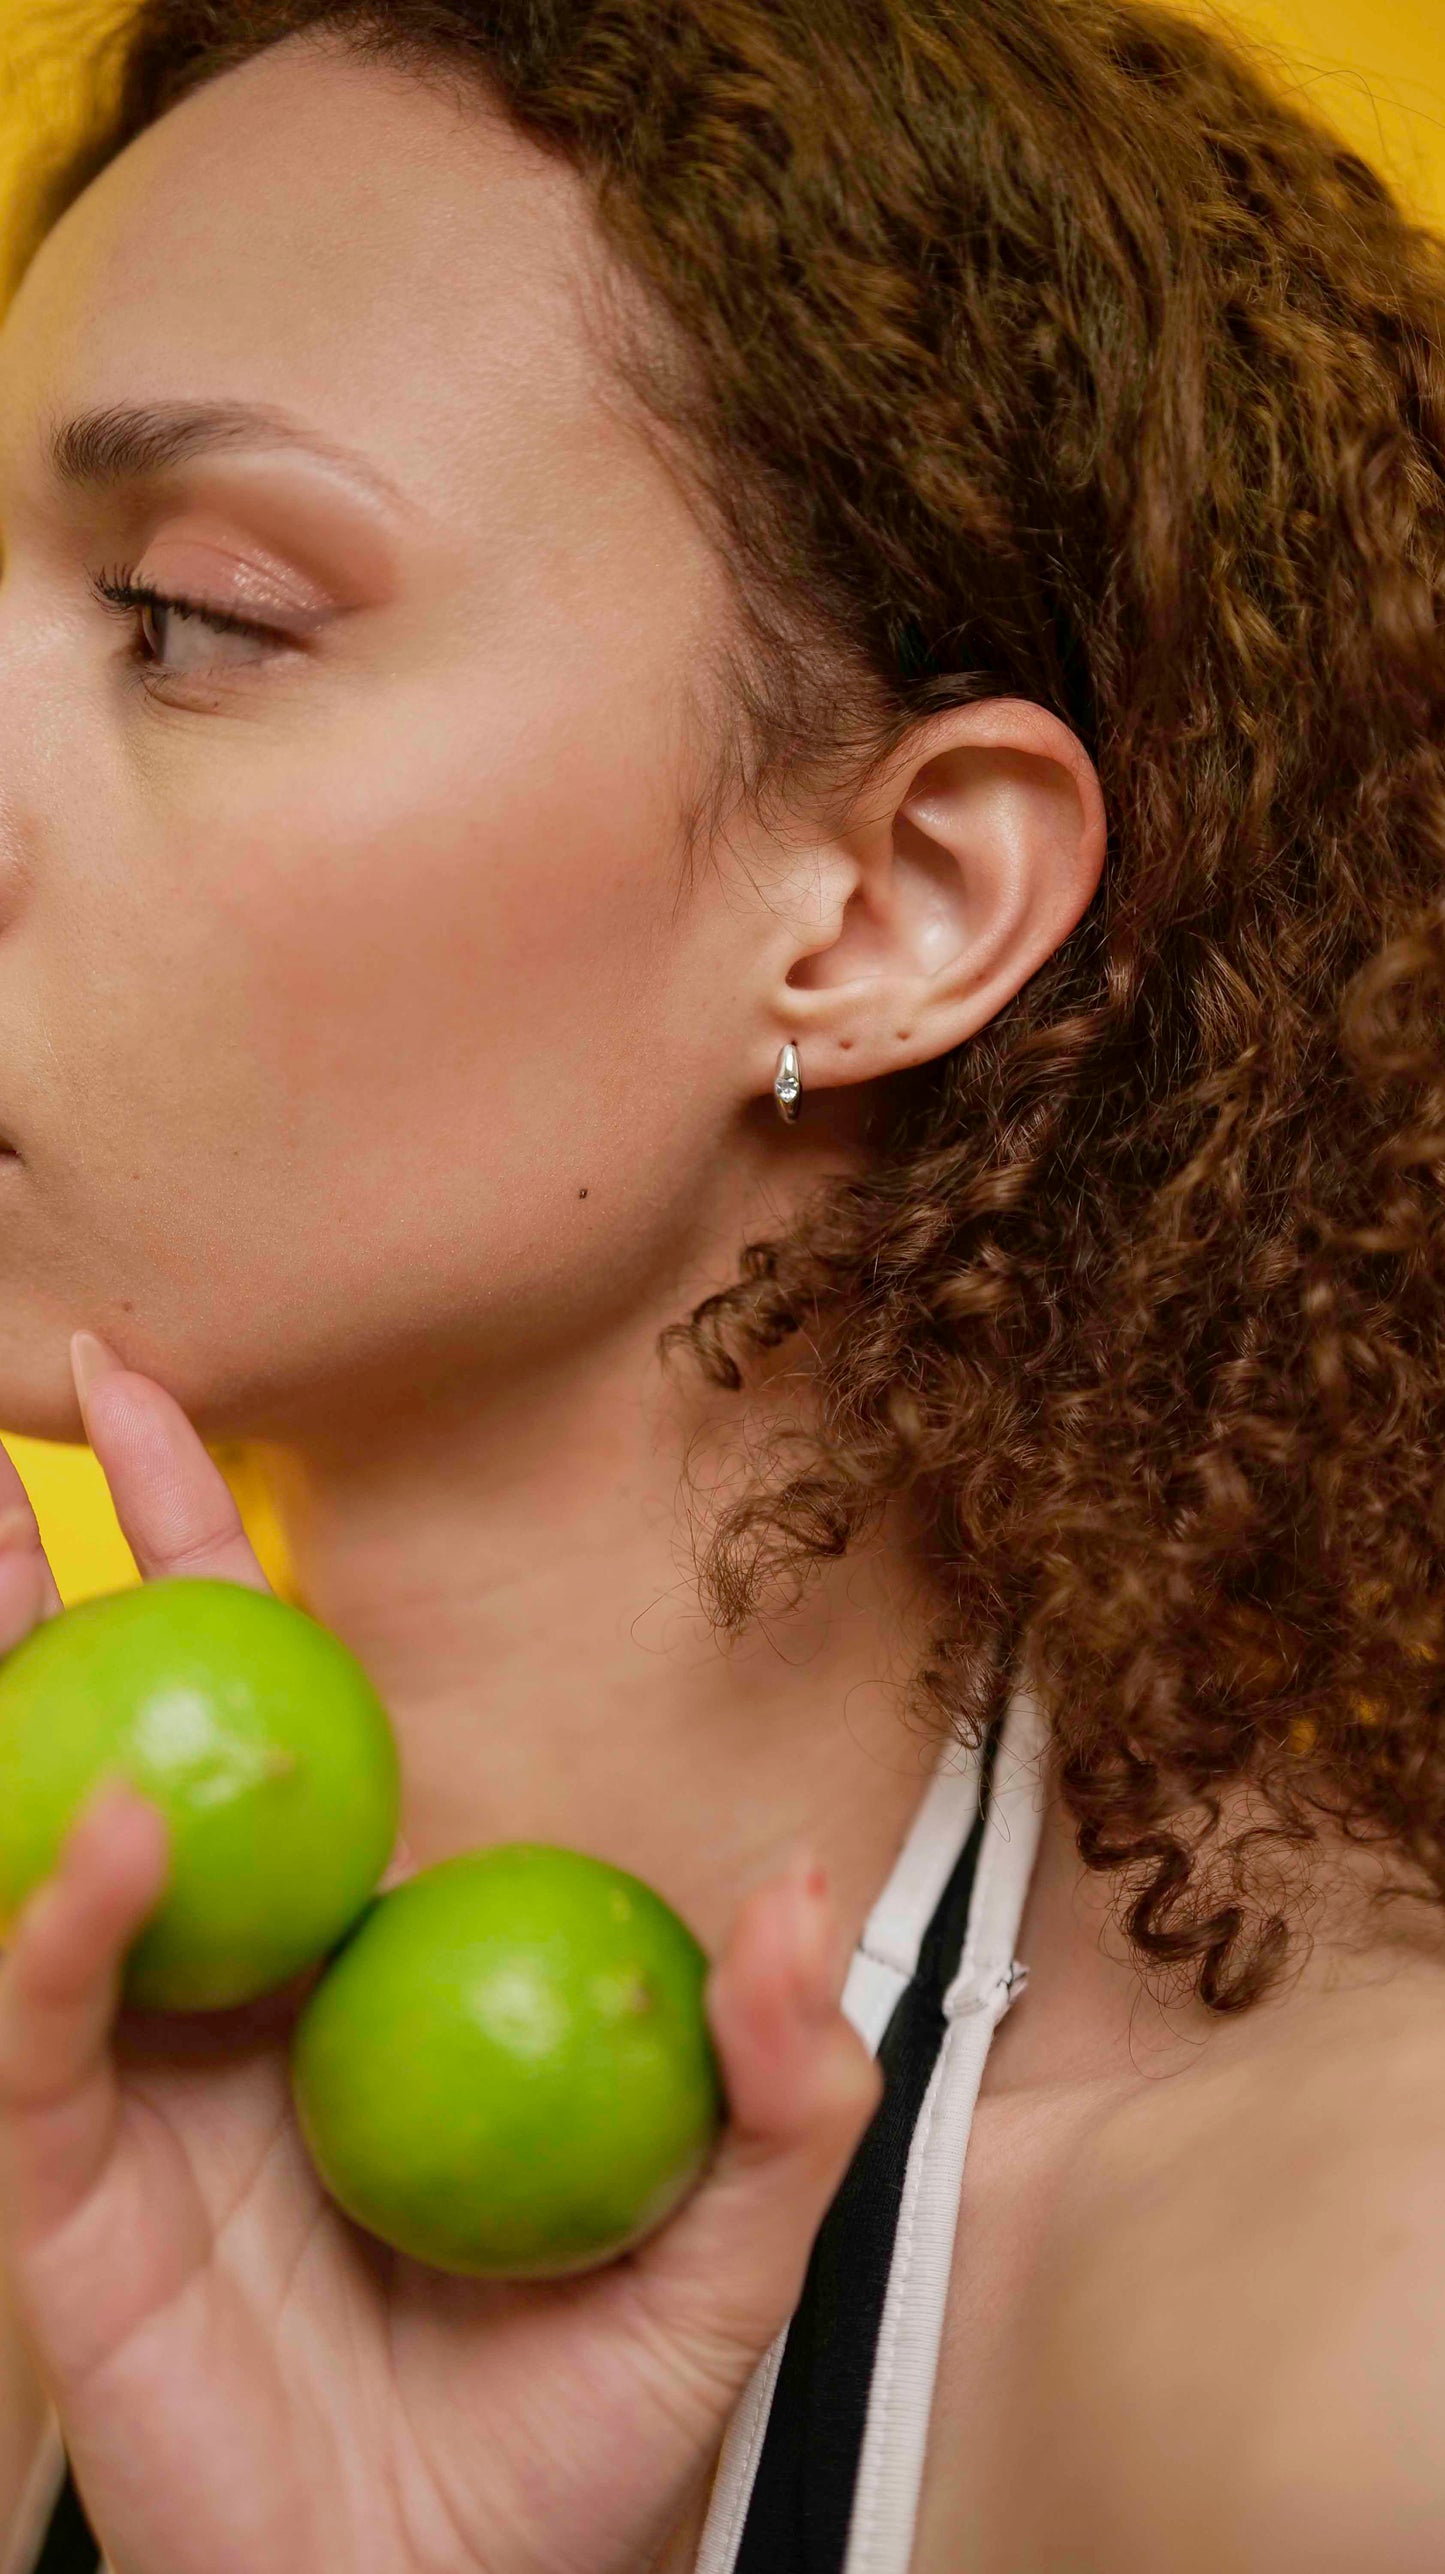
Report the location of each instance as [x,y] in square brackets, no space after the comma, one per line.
[900,2401]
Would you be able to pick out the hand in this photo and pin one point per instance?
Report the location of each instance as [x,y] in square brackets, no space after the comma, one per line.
[244,2378]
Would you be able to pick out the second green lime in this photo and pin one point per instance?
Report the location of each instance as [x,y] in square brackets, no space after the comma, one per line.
[506,2071]
[261,1739]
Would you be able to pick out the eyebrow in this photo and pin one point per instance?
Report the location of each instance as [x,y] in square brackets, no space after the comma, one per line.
[125,443]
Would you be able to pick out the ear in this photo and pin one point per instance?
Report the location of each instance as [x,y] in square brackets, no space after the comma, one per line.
[963,867]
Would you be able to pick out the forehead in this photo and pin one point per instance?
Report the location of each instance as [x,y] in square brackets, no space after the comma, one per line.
[337,238]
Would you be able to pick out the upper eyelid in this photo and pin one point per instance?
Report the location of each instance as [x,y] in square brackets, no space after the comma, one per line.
[122,596]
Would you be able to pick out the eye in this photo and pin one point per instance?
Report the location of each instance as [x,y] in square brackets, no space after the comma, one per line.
[181,637]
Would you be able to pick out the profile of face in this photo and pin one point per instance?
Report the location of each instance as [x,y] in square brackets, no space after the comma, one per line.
[356,1023]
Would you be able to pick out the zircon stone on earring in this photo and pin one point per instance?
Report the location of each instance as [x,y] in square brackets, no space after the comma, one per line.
[788,1083]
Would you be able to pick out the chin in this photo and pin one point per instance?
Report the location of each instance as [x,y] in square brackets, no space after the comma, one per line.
[37,1392]
[37,1411]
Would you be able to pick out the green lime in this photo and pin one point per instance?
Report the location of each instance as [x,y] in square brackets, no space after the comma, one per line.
[506,2071]
[261,1739]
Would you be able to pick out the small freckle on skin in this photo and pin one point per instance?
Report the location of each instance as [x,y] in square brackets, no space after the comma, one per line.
[581,1193]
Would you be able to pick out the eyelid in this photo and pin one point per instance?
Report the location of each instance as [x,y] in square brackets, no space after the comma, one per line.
[121,595]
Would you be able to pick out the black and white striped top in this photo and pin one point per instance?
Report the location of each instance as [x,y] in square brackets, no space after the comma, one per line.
[821,2467]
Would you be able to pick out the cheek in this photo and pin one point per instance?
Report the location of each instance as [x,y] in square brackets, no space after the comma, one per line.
[386,1032]
[471,950]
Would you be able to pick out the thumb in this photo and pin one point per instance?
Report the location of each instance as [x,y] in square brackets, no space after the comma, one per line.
[61,1981]
[722,2278]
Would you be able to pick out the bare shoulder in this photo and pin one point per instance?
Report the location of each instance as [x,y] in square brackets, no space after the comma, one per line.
[1233,2359]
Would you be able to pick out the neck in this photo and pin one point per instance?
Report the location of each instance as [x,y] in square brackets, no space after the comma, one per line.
[514,1575]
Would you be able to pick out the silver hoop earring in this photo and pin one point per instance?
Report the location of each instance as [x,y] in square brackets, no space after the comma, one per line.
[787,1083]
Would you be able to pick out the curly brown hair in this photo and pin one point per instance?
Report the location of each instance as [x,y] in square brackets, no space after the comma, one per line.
[1037,347]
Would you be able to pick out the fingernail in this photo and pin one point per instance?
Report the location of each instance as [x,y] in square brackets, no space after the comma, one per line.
[816,1945]
[17,1526]
[90,1359]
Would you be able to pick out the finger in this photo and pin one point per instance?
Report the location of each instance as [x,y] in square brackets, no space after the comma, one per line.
[175,1507]
[60,1988]
[28,1589]
[725,2274]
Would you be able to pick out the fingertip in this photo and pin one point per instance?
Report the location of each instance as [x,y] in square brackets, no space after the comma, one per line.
[114,1792]
[121,1823]
[788,1938]
[91,1358]
[792,2063]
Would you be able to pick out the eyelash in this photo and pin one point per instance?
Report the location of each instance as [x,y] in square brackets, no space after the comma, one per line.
[123,596]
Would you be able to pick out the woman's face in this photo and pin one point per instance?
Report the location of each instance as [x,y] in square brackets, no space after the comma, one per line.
[353,1023]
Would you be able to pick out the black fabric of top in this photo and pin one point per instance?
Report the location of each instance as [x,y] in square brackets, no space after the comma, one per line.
[802,2496]
[70,2542]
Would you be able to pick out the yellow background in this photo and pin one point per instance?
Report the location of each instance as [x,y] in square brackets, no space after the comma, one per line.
[1374,68]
